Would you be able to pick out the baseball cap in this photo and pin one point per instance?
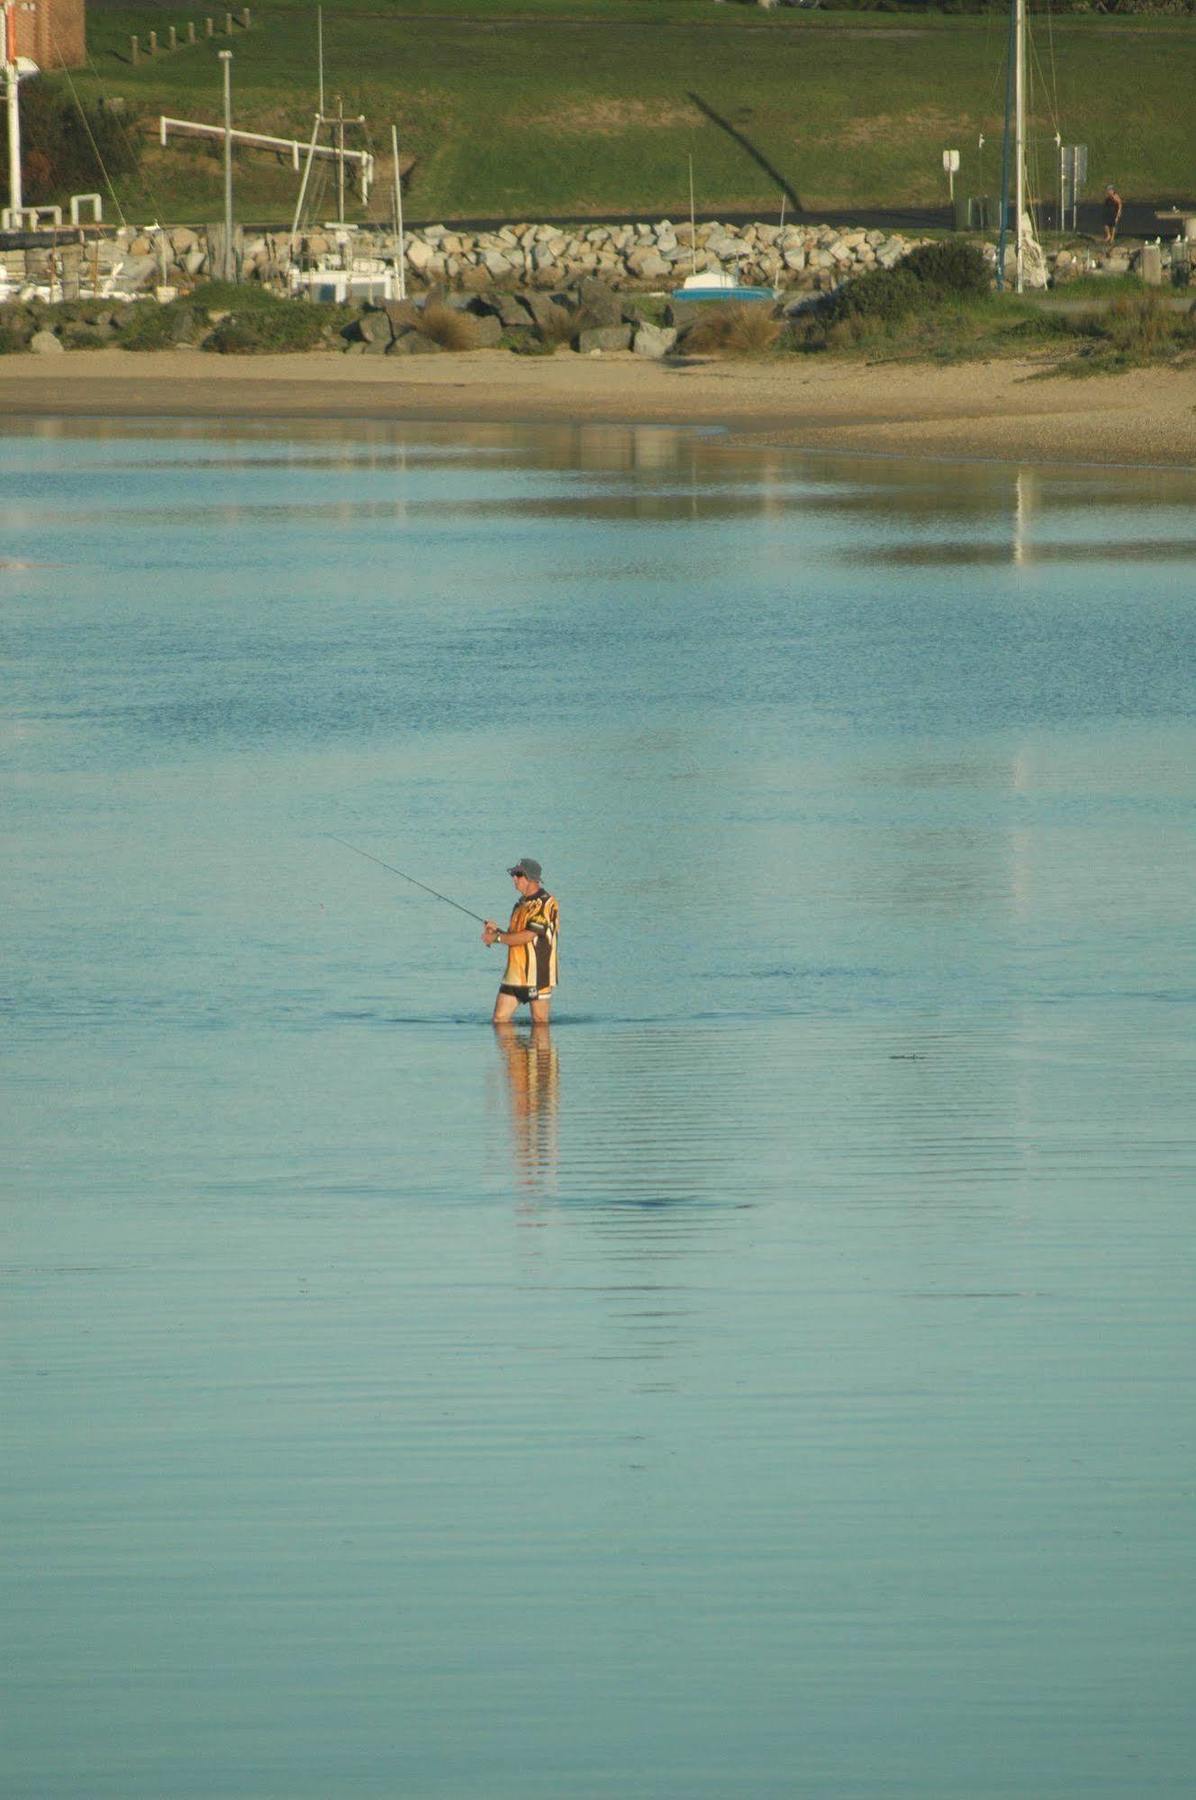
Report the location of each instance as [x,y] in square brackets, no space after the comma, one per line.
[527,865]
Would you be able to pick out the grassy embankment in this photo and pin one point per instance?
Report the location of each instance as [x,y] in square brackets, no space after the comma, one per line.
[579,108]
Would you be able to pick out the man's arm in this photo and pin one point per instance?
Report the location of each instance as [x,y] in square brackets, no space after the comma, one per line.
[492,935]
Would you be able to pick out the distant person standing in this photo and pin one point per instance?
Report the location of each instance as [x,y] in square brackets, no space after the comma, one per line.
[1113,206]
[531,941]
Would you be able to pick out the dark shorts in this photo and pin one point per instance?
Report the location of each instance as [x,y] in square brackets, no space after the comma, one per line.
[524,995]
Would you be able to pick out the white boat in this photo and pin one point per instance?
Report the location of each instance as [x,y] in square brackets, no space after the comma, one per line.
[714,284]
[720,284]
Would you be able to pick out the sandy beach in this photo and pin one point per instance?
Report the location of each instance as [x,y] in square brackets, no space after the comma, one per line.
[1005,410]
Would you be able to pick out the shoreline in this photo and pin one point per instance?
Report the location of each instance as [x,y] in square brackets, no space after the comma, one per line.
[979,411]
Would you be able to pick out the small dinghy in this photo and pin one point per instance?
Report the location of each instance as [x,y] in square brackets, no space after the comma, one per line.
[714,284]
[719,284]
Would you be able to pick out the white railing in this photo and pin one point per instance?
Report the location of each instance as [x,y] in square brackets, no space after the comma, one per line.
[293,146]
[28,218]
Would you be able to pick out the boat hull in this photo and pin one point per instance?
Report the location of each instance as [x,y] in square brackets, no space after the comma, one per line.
[723,293]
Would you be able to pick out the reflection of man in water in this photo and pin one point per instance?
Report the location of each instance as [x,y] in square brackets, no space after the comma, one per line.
[531,941]
[530,1065]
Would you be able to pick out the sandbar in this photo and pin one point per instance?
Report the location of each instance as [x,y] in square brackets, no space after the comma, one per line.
[1009,411]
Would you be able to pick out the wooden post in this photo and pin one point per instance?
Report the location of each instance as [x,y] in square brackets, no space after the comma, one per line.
[245,17]
[228,24]
[153,47]
[173,43]
[208,27]
[190,31]
[134,51]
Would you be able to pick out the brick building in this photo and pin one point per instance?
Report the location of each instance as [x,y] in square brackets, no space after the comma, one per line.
[52,33]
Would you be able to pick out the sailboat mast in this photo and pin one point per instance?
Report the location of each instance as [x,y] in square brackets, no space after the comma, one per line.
[693,223]
[1019,132]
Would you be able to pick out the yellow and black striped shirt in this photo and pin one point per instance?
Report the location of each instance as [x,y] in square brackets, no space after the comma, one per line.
[534,965]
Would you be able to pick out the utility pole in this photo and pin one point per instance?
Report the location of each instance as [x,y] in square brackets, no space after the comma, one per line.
[230,271]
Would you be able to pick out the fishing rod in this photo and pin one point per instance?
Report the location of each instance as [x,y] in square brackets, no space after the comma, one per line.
[405,877]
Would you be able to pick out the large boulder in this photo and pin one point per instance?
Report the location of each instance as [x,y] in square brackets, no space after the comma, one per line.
[546,312]
[138,271]
[375,328]
[600,304]
[419,254]
[648,265]
[413,343]
[603,337]
[45,343]
[653,341]
[487,330]
[403,314]
[512,309]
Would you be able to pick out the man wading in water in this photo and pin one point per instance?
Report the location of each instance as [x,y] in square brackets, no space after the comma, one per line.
[531,947]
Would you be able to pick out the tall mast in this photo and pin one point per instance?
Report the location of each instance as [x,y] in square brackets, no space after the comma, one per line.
[12,107]
[1019,131]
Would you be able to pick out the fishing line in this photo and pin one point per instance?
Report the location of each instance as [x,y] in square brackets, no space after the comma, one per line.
[411,878]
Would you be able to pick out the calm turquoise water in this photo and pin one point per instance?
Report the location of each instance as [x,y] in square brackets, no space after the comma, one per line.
[776,1382]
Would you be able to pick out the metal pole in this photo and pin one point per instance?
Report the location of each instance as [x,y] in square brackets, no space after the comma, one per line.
[1019,149]
[340,161]
[400,247]
[13,105]
[320,50]
[311,156]
[1062,184]
[226,57]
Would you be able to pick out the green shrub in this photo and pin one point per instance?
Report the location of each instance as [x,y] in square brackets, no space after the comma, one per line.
[261,330]
[881,294]
[12,340]
[527,343]
[233,296]
[148,326]
[949,267]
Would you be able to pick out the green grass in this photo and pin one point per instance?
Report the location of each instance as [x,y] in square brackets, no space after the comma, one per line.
[575,108]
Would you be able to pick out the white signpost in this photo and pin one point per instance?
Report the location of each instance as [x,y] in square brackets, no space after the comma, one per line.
[951,165]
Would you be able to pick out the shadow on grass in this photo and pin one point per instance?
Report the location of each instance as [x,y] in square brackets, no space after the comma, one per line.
[746,144]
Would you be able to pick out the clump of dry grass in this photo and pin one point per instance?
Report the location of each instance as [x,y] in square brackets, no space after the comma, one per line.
[451,329]
[746,329]
[1139,324]
[1135,330]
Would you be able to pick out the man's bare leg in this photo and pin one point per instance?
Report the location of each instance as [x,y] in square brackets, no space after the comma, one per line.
[504,1009]
[539,1012]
